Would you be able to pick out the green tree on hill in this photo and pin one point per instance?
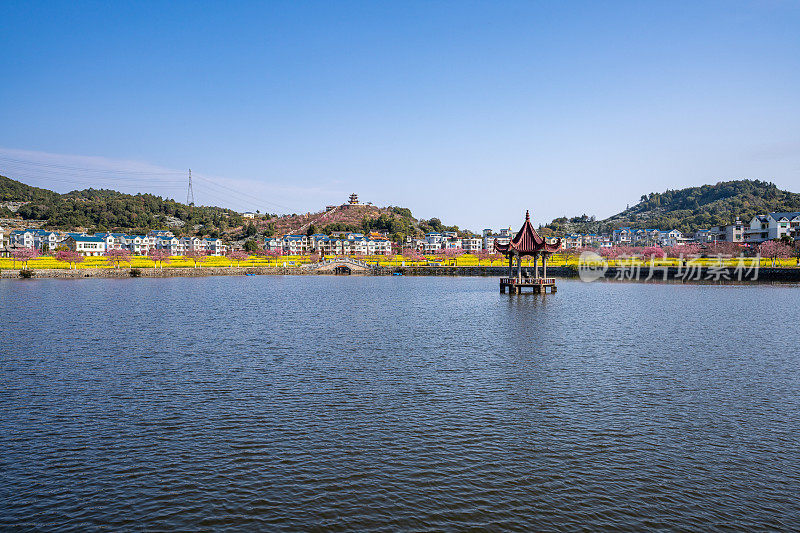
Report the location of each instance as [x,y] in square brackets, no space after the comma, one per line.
[692,208]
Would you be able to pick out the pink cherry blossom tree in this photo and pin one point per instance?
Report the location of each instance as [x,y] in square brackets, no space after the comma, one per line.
[24,255]
[159,256]
[774,250]
[685,250]
[70,256]
[722,248]
[484,255]
[117,256]
[627,252]
[454,254]
[196,256]
[653,252]
[274,253]
[609,252]
[237,255]
[411,254]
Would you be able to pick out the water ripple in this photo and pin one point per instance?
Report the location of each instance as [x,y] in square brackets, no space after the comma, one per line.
[385,404]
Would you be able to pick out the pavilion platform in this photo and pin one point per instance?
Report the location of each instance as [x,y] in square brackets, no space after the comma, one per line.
[535,285]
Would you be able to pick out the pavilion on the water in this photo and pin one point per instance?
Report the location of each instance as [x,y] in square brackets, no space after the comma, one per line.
[527,243]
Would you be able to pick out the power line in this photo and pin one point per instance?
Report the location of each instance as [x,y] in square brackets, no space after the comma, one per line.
[65,176]
[220,197]
[59,173]
[97,170]
[52,181]
[250,196]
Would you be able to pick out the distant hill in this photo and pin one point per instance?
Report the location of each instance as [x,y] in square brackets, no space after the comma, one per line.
[108,210]
[16,191]
[397,221]
[690,209]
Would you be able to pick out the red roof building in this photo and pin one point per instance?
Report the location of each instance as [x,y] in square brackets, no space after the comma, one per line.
[527,242]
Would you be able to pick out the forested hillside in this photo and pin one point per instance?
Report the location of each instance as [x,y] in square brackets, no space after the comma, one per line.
[107,210]
[690,209]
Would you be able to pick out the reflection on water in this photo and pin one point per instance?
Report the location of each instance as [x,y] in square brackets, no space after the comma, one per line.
[397,403]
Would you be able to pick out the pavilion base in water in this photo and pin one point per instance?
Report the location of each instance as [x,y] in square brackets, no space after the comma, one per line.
[536,285]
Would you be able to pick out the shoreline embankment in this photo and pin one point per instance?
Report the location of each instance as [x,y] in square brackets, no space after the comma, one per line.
[644,273]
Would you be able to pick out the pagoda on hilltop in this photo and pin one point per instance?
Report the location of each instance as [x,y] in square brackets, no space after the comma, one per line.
[527,242]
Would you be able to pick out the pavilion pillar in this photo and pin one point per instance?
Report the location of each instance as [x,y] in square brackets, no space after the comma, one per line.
[544,265]
[510,265]
[519,267]
[535,266]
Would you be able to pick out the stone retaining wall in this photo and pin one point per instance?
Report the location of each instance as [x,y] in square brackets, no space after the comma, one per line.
[149,272]
[672,273]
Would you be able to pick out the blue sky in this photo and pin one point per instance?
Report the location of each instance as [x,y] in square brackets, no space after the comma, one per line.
[470,111]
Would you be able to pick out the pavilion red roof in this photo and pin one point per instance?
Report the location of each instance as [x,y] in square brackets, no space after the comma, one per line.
[527,241]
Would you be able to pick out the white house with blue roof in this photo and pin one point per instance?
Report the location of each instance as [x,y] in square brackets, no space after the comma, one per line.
[21,237]
[572,241]
[321,243]
[295,244]
[215,246]
[89,245]
[345,244]
[35,238]
[773,226]
[622,236]
[212,246]
[139,244]
[171,244]
[114,241]
[273,244]
[784,224]
[670,238]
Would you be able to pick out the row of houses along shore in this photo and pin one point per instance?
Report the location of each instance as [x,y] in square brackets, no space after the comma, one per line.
[99,243]
[761,228]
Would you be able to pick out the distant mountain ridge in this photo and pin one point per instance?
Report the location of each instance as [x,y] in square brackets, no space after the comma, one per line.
[690,209]
[108,210]
[102,209]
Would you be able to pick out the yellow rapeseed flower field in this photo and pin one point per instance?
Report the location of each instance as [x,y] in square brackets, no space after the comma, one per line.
[466,260]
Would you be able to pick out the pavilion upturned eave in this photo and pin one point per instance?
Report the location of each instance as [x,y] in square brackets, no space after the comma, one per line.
[527,242]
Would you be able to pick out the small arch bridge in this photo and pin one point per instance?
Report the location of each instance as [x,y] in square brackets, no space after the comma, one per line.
[343,265]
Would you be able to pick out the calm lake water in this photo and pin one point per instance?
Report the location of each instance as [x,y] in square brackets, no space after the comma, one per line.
[397,403]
